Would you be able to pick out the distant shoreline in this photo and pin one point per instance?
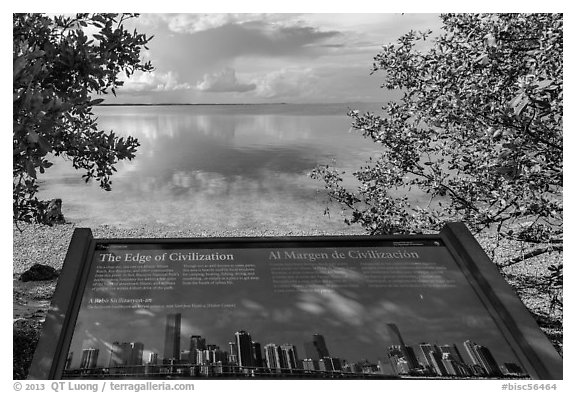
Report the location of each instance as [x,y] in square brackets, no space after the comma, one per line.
[247,104]
[176,104]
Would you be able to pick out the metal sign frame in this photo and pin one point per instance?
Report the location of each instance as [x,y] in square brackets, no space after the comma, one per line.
[533,349]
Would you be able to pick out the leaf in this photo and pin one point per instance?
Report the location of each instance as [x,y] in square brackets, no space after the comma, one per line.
[30,170]
[519,102]
[33,137]
[490,40]
[44,144]
[482,59]
[19,64]
[544,84]
[96,101]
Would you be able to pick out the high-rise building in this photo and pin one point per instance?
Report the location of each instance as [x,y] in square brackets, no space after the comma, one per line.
[453,351]
[289,356]
[272,356]
[310,351]
[425,350]
[257,350]
[69,361]
[233,355]
[512,369]
[478,370]
[481,356]
[487,360]
[395,333]
[437,363]
[408,353]
[310,365]
[325,364]
[410,356]
[172,337]
[330,364]
[316,349]
[320,345]
[460,369]
[120,354]
[185,356]
[197,343]
[403,366]
[202,357]
[136,353]
[153,358]
[245,349]
[385,367]
[220,356]
[126,354]
[89,358]
[469,345]
[449,365]
[367,367]
[211,355]
[395,355]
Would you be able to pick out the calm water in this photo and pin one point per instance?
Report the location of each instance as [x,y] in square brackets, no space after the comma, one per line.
[242,166]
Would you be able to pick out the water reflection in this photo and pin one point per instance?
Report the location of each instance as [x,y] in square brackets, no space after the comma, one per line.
[214,165]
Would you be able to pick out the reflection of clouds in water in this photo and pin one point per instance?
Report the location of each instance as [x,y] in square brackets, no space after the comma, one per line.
[221,127]
[232,166]
[244,129]
[146,128]
[198,181]
[273,130]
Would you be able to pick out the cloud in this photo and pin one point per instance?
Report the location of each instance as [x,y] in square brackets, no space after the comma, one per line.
[209,38]
[287,83]
[153,82]
[224,81]
[194,23]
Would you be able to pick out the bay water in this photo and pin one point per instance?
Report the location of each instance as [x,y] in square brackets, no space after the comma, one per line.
[218,166]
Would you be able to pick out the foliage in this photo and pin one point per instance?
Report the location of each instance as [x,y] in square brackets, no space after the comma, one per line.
[478,130]
[58,68]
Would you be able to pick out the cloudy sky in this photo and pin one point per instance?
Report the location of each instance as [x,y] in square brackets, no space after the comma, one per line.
[253,58]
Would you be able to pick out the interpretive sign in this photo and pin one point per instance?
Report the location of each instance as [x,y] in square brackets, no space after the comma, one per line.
[387,307]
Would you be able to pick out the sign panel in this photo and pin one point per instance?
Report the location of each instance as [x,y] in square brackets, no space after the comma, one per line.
[352,307]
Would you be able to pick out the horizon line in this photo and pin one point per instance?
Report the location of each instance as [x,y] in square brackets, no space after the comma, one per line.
[238,103]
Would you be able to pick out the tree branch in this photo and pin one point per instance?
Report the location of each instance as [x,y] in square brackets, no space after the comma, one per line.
[529,255]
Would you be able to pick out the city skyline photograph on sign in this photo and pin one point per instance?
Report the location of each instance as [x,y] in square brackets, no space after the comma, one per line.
[348,312]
